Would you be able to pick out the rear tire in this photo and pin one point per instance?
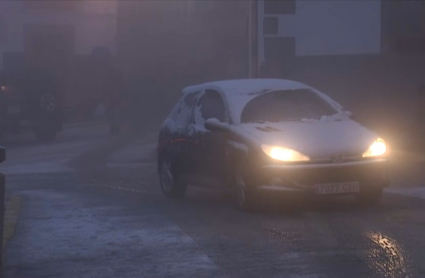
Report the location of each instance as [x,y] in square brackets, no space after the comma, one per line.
[370,198]
[172,185]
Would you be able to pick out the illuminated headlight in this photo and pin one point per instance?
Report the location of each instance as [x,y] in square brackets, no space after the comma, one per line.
[377,148]
[284,154]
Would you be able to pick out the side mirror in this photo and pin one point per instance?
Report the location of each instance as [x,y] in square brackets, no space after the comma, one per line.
[215,125]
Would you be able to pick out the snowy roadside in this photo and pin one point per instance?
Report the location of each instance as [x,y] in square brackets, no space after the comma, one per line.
[126,164]
[135,154]
[85,124]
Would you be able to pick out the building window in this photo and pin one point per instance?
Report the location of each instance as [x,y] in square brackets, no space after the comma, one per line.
[279,49]
[270,26]
[279,6]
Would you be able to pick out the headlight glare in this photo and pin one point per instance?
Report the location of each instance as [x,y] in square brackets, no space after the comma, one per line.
[283,154]
[377,148]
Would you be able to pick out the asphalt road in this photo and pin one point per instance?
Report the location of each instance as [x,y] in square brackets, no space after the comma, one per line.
[85,219]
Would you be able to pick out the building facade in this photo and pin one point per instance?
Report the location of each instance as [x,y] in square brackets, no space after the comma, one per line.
[344,47]
[294,28]
[181,36]
[292,32]
[163,46]
[55,34]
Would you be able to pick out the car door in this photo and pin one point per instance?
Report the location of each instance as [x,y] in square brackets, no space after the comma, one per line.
[211,148]
[187,139]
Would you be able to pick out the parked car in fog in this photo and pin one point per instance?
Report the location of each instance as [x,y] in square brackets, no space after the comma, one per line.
[30,100]
[268,134]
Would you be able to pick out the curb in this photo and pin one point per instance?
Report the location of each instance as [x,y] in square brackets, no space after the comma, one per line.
[83,124]
[11,215]
[100,155]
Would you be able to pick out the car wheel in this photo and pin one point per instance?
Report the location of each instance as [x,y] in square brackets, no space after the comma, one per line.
[370,198]
[171,185]
[245,196]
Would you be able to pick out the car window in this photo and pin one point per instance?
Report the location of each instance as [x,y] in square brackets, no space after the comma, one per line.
[286,105]
[182,113]
[212,106]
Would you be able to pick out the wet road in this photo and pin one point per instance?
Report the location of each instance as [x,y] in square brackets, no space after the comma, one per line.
[114,222]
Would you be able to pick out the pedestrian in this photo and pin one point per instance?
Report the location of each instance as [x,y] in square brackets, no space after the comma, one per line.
[108,87]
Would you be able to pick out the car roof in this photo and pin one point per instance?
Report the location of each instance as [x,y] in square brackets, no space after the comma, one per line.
[248,86]
[238,93]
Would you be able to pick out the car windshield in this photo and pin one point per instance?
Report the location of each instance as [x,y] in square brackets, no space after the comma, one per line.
[286,105]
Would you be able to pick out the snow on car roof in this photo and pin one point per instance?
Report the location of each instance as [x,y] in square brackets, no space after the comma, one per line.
[239,92]
[249,86]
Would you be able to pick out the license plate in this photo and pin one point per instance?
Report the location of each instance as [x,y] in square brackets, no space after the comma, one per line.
[336,188]
[13,109]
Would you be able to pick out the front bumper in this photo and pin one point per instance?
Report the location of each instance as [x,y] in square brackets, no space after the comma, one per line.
[302,177]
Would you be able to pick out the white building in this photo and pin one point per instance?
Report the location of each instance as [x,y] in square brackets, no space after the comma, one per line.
[297,28]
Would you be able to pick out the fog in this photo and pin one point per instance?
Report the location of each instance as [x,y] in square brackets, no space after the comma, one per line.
[364,60]
[110,144]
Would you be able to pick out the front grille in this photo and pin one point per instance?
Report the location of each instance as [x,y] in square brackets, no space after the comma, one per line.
[309,177]
[337,159]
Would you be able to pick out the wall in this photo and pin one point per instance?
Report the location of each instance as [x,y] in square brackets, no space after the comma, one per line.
[403,25]
[94,23]
[329,27]
[368,55]
[163,46]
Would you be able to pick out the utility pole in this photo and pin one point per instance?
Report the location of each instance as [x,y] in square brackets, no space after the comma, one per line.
[250,75]
[2,210]
[252,38]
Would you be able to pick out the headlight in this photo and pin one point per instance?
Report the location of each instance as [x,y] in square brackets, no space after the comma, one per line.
[377,148]
[283,154]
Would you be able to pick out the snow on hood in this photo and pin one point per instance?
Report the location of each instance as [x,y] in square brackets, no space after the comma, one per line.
[316,139]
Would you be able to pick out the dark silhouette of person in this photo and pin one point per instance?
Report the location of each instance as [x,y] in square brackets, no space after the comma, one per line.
[108,86]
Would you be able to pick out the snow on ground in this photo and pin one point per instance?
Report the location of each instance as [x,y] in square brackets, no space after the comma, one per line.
[25,156]
[416,192]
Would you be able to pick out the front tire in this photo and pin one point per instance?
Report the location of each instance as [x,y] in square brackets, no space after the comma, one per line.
[245,194]
[172,185]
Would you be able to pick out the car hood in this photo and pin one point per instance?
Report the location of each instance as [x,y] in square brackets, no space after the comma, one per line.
[316,139]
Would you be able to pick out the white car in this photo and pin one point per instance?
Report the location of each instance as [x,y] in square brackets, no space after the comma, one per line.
[268,134]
